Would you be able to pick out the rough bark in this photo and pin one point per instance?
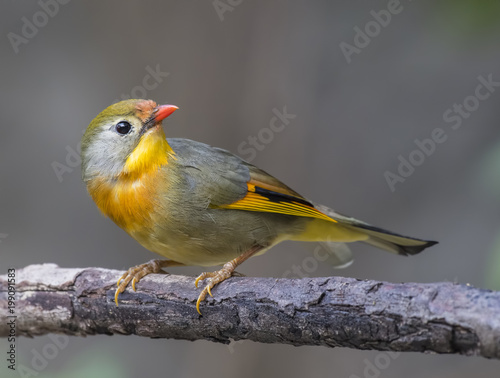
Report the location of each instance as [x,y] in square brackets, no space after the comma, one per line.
[331,311]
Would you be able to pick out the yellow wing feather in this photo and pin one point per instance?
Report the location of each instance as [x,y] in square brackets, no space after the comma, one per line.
[287,205]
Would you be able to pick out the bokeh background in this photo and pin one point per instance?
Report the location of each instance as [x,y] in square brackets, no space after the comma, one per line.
[229,64]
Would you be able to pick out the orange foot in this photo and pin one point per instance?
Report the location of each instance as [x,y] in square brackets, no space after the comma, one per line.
[136,273]
[215,278]
[223,274]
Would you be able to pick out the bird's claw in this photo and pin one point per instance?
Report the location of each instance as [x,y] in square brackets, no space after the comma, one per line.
[215,278]
[135,274]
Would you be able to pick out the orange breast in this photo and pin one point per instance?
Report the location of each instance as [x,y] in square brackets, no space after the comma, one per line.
[128,201]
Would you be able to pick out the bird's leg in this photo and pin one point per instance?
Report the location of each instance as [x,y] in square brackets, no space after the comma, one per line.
[136,273]
[222,274]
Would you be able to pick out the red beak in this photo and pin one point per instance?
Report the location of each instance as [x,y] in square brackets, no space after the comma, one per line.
[163,111]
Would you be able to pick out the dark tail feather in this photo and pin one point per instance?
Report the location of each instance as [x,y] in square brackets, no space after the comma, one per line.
[392,242]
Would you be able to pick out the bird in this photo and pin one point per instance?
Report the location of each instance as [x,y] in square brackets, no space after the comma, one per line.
[198,205]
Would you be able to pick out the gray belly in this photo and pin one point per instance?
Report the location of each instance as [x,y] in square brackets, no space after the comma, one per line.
[216,236]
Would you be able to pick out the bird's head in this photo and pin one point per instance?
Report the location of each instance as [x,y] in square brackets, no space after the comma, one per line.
[125,139]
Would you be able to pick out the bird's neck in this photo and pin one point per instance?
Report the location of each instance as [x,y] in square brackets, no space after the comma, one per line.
[130,199]
[152,152]
[130,204]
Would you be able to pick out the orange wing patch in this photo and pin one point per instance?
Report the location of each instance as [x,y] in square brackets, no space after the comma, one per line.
[270,201]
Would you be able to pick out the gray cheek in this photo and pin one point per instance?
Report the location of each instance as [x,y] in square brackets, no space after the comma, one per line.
[103,158]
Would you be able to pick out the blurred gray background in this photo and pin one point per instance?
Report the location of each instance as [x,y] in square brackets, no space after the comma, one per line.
[229,65]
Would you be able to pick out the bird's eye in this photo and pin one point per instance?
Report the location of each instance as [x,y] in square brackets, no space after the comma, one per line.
[123,127]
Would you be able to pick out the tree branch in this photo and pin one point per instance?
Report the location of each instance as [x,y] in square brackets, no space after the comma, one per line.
[332,311]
